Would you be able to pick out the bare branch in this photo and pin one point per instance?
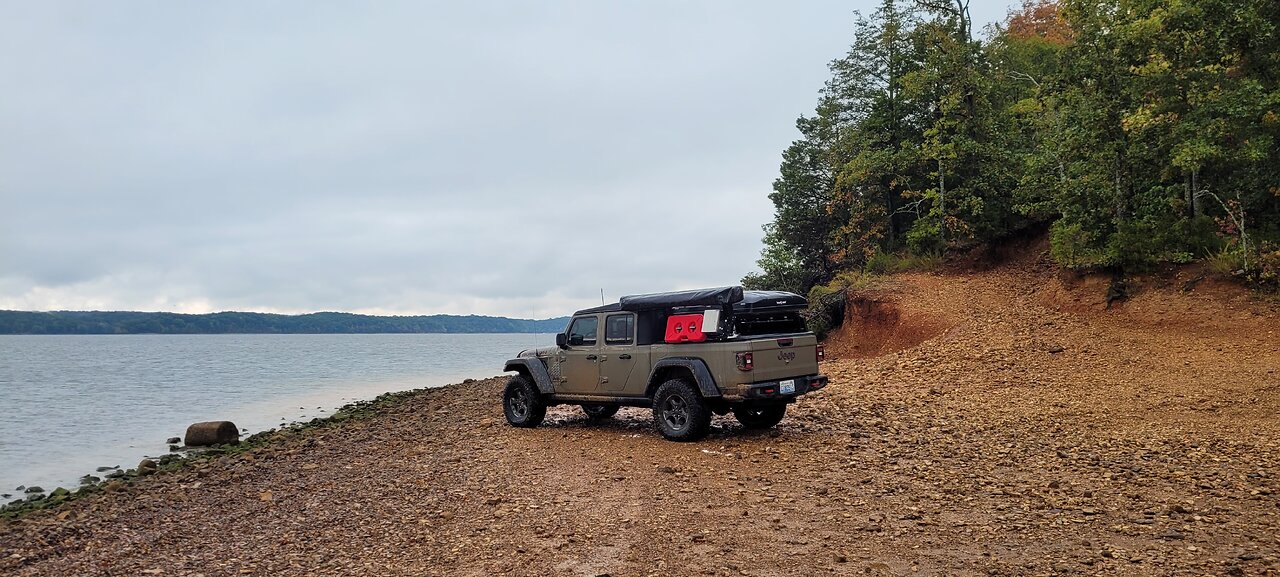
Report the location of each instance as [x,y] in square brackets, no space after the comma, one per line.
[1014,74]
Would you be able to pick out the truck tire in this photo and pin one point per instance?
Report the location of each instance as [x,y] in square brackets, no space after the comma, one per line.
[679,412]
[599,412]
[522,403]
[760,417]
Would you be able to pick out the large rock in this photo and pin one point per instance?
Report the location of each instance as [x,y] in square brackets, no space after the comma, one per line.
[211,433]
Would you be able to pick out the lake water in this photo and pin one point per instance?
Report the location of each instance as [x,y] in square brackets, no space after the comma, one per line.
[69,404]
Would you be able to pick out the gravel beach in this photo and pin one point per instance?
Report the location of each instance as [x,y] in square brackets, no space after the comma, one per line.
[971,427]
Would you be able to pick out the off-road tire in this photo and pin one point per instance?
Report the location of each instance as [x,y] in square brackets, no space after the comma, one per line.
[679,412]
[760,417]
[522,403]
[599,412]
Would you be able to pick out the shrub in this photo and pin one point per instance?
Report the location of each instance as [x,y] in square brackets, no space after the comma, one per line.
[1225,262]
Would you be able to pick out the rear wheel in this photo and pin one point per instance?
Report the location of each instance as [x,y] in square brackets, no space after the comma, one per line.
[760,417]
[599,412]
[679,412]
[522,403]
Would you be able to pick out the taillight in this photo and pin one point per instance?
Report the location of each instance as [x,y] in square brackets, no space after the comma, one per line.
[822,353]
[746,361]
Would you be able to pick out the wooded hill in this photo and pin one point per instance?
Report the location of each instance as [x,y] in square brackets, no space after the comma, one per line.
[109,323]
[1141,132]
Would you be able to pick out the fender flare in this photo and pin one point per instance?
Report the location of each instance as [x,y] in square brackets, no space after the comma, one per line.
[697,367]
[534,370]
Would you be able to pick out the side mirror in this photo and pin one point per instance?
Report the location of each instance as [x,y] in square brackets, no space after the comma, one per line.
[576,340]
[562,340]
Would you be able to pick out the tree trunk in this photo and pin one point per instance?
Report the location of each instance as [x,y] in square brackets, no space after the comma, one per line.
[1196,208]
[1188,195]
[942,199]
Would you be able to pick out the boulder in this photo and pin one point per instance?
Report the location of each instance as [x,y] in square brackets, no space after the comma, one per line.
[211,433]
[146,467]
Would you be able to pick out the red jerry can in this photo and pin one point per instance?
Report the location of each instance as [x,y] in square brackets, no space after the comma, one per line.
[685,329]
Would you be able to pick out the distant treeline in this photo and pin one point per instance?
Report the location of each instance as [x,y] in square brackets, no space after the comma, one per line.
[124,323]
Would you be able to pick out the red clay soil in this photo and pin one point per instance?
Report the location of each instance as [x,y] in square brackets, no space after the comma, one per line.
[1018,439]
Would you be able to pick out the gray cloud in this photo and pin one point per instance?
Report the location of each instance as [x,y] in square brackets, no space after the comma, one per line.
[491,157]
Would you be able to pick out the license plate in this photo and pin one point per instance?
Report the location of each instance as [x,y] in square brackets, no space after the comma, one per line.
[787,387]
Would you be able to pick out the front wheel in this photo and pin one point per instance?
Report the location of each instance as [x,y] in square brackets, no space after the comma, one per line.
[599,412]
[522,403]
[679,412]
[762,417]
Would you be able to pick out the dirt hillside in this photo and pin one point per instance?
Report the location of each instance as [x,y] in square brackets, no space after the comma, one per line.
[993,423]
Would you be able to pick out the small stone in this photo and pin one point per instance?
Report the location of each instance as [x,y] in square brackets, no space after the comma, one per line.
[842,558]
[114,486]
[34,489]
[147,467]
[1055,349]
[173,440]
[446,515]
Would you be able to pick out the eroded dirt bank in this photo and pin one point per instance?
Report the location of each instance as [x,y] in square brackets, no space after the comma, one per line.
[1018,440]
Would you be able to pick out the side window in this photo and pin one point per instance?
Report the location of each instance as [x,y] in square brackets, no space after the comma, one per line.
[617,329]
[583,331]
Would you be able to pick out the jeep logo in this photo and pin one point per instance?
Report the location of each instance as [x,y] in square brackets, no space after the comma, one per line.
[786,357]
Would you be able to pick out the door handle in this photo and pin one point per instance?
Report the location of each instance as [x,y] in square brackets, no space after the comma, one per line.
[591,357]
[625,357]
[604,357]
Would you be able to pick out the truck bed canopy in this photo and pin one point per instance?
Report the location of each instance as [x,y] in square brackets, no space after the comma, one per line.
[741,301]
[746,312]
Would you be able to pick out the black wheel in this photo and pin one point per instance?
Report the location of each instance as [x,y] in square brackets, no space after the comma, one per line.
[679,412]
[522,403]
[599,412]
[760,417]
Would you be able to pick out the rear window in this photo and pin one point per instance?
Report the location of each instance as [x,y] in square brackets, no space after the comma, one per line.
[768,323]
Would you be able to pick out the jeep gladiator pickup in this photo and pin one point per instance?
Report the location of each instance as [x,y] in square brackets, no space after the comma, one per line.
[685,354]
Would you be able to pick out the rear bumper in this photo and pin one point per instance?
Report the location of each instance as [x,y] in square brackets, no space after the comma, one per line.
[772,390]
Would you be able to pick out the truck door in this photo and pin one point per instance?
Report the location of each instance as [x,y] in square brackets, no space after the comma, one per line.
[581,366]
[620,357]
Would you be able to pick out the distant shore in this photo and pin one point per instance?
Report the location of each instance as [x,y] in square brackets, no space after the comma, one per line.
[129,322]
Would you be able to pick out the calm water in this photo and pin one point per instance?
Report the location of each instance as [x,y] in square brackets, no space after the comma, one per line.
[69,404]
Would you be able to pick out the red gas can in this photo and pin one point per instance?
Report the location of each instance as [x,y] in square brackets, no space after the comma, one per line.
[685,329]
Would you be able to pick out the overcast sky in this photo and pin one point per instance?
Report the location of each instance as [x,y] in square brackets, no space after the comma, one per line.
[508,158]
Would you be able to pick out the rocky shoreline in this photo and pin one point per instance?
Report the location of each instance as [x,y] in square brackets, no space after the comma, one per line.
[114,478]
[1018,438]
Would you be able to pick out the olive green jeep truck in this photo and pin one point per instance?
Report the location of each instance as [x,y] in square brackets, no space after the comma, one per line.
[685,354]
